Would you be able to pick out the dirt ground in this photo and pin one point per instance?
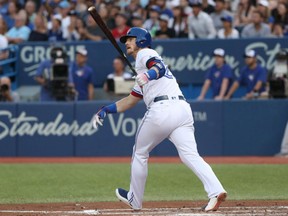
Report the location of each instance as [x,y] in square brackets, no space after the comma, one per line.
[229,207]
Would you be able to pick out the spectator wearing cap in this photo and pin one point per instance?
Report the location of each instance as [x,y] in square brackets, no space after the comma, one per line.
[219,12]
[20,32]
[152,23]
[73,33]
[200,24]
[121,28]
[164,32]
[180,22]
[256,29]
[82,76]
[252,75]
[228,31]
[263,8]
[63,15]
[164,9]
[219,77]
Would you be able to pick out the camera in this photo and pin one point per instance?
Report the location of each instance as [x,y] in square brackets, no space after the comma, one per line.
[278,80]
[3,88]
[59,76]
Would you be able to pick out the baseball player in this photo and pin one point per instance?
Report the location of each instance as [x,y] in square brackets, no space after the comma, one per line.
[168,116]
[252,75]
[219,77]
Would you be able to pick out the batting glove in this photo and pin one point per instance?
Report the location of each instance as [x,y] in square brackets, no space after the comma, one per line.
[142,79]
[101,114]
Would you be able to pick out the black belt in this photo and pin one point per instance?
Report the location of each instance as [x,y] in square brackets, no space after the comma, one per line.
[165,97]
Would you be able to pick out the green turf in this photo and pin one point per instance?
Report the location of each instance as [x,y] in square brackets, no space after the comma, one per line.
[38,183]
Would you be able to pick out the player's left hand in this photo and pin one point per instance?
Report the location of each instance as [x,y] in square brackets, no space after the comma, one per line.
[142,79]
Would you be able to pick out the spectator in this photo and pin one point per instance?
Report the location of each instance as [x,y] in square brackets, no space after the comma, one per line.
[228,31]
[3,41]
[44,76]
[119,71]
[55,33]
[30,8]
[253,76]
[137,21]
[152,23]
[208,6]
[111,16]
[263,8]
[279,16]
[20,32]
[164,32]
[13,9]
[3,7]
[63,15]
[6,93]
[121,26]
[219,77]
[73,33]
[163,9]
[92,31]
[257,29]
[180,22]
[200,24]
[243,15]
[219,12]
[39,33]
[82,76]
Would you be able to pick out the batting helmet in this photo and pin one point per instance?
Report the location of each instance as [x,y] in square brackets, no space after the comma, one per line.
[143,37]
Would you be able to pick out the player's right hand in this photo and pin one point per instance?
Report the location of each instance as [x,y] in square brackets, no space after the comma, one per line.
[99,118]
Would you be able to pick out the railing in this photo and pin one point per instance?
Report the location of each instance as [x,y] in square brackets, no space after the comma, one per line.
[9,65]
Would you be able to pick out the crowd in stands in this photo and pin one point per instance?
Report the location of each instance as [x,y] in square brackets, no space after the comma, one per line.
[69,20]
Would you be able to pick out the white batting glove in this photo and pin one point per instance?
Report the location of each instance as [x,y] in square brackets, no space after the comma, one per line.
[97,120]
[142,79]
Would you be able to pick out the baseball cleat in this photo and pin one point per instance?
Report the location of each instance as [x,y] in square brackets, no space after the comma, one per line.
[215,202]
[122,195]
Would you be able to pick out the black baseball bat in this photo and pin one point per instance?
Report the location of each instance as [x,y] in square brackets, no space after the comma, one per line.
[93,12]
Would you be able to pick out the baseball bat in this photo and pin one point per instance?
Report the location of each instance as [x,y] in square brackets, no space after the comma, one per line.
[93,12]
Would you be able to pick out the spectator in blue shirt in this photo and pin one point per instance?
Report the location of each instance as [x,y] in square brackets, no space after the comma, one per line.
[219,77]
[55,33]
[82,76]
[20,32]
[253,76]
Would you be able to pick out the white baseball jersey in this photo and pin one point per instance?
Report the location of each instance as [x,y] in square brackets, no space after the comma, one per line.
[171,117]
[166,85]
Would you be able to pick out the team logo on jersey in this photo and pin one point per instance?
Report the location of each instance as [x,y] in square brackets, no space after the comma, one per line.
[251,77]
[80,73]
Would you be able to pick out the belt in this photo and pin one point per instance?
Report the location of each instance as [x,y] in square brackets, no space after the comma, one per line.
[166,97]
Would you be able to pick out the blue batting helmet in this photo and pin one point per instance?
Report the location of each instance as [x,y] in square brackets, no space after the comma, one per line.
[143,37]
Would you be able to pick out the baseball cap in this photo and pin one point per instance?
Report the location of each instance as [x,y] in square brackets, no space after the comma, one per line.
[81,51]
[64,4]
[264,3]
[164,17]
[219,52]
[227,18]
[155,8]
[195,3]
[250,53]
